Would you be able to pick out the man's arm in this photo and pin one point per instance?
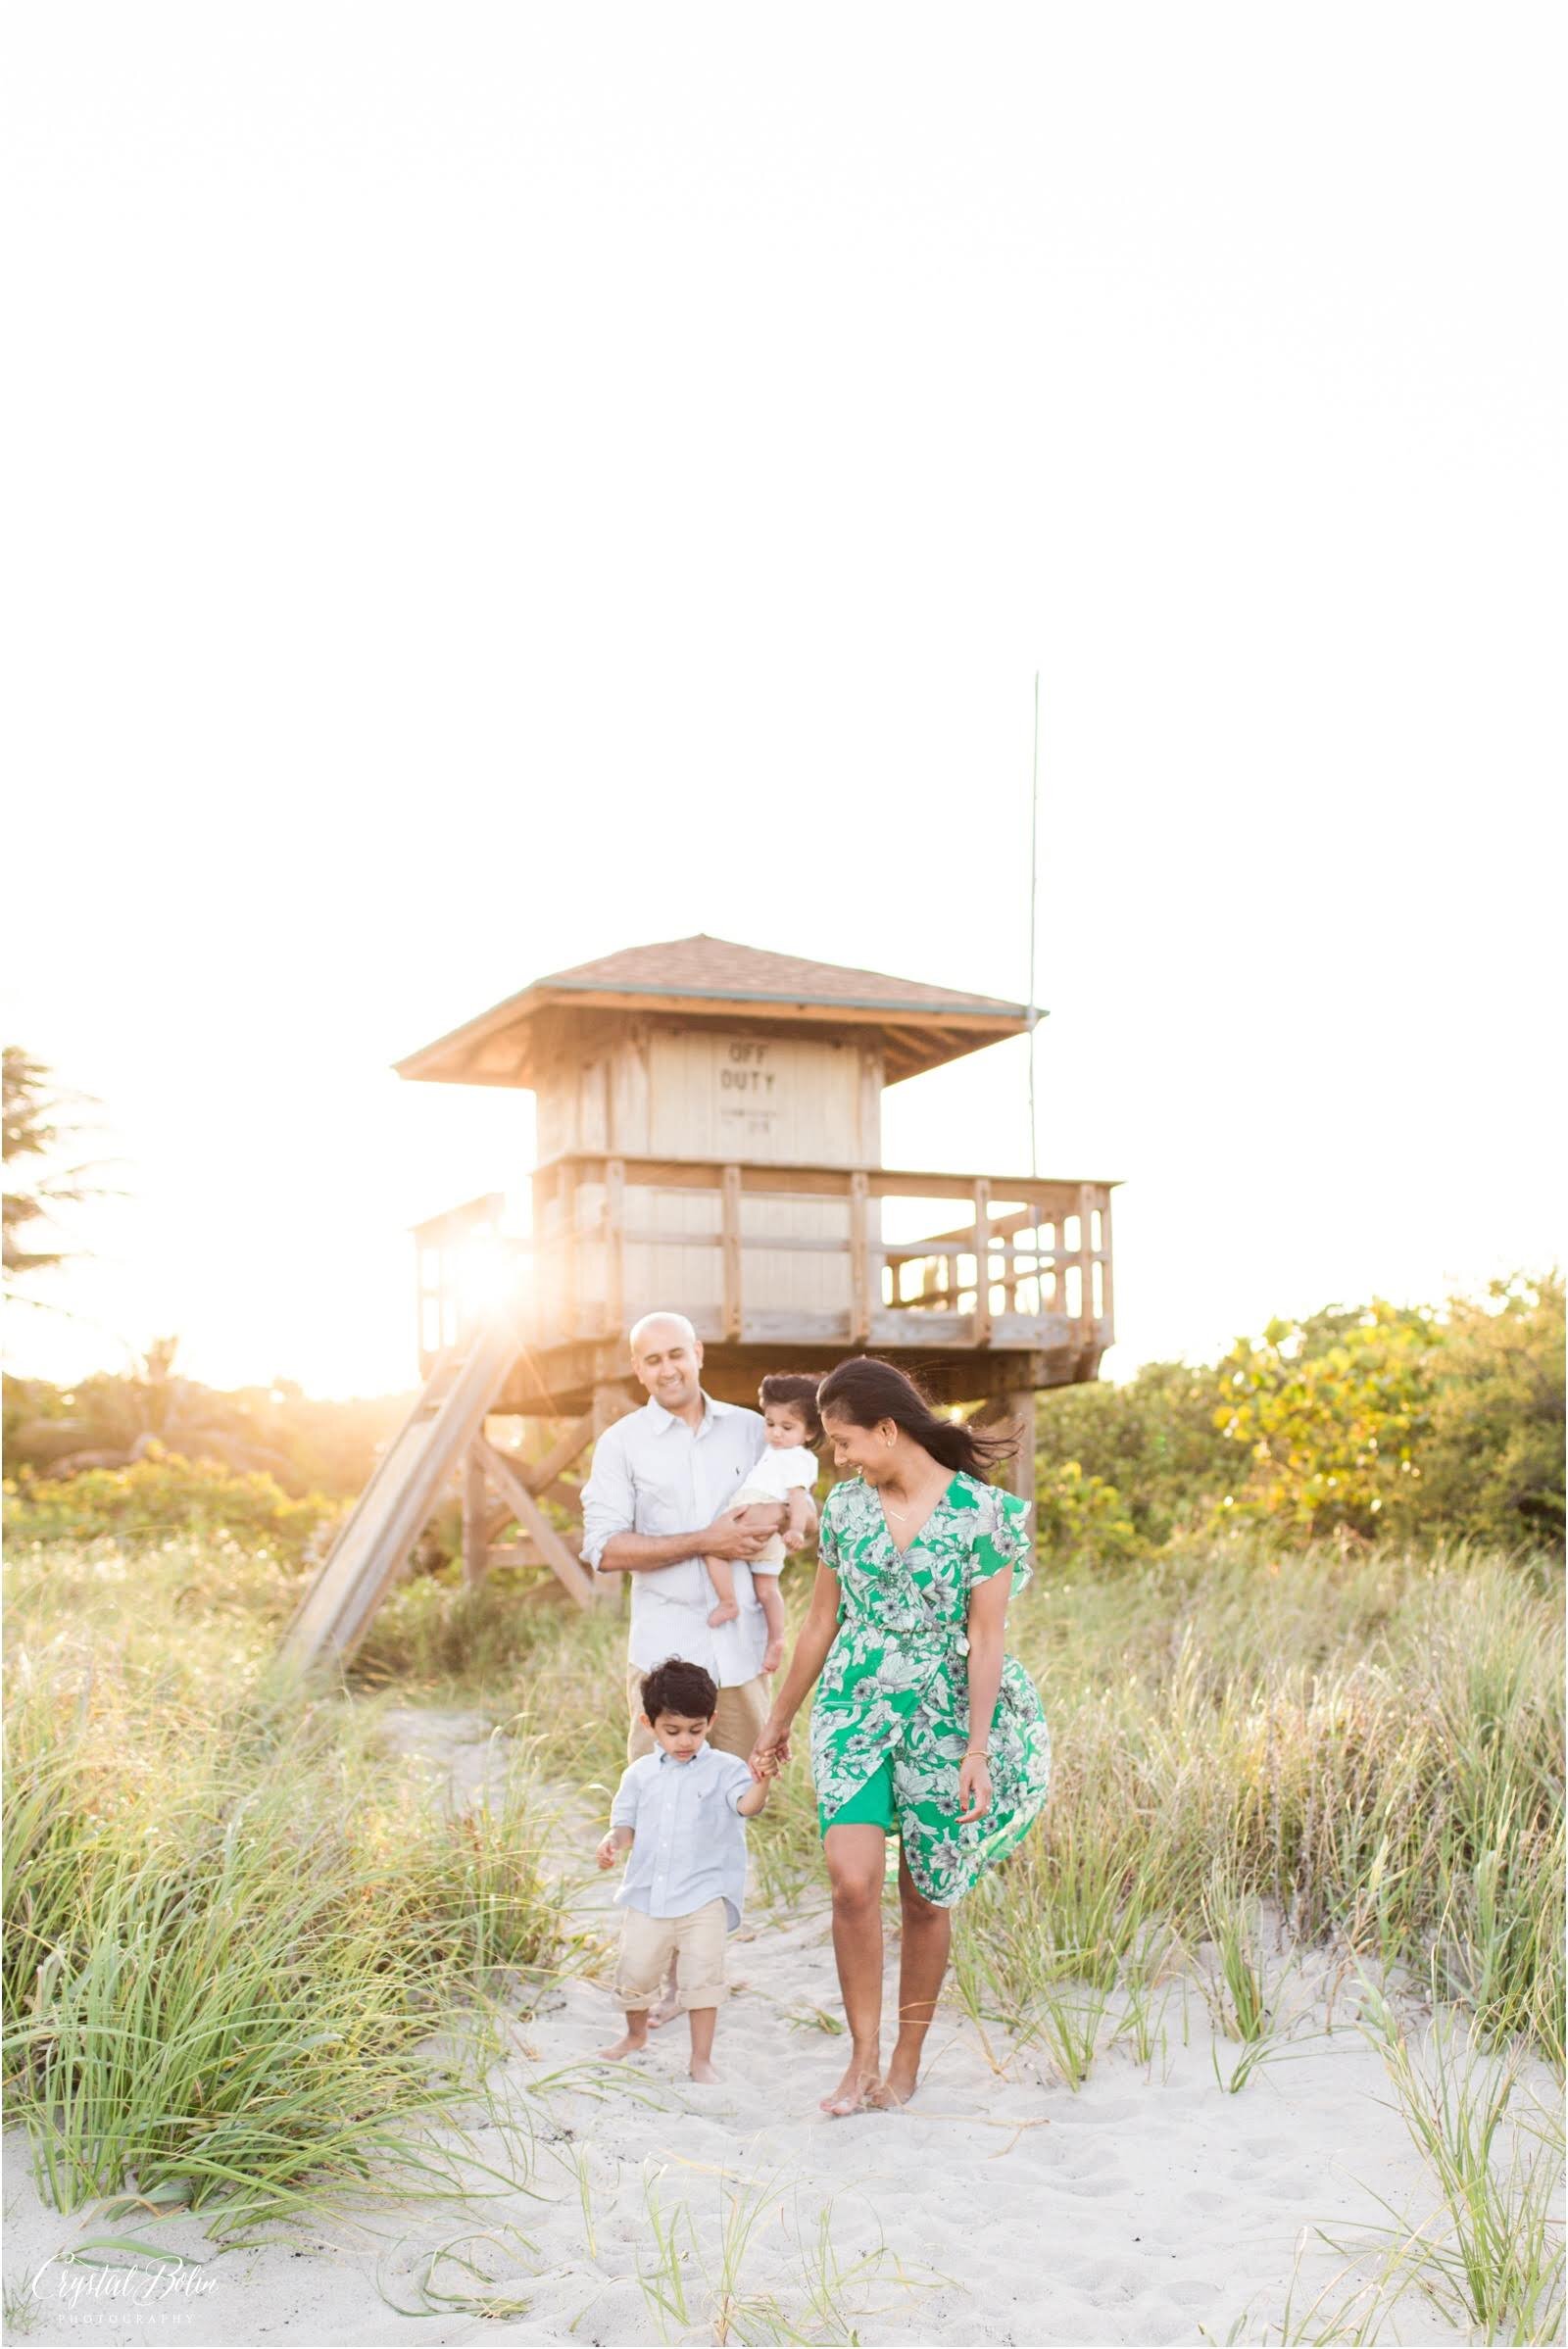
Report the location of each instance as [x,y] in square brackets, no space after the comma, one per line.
[610,1511]
[740,1533]
[609,1498]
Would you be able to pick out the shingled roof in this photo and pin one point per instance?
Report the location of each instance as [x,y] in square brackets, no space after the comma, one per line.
[923,1025]
[704,965]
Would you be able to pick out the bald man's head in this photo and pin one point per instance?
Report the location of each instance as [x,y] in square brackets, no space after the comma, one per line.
[660,1321]
[666,1354]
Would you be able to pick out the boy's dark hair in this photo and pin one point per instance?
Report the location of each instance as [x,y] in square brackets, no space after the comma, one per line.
[788,1387]
[676,1687]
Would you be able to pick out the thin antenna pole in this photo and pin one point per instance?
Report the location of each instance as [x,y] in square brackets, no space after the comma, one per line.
[1034,891]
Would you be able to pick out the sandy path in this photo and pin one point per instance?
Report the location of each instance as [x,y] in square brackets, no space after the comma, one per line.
[1151,2207]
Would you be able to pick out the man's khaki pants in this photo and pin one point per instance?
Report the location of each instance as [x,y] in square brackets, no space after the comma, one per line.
[737,1724]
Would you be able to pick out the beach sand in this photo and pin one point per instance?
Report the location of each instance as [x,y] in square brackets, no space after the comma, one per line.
[1150,2207]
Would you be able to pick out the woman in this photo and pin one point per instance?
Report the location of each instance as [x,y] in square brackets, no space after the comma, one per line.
[917,1561]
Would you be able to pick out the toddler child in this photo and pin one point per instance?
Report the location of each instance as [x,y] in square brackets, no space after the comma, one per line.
[786,1472]
[678,1812]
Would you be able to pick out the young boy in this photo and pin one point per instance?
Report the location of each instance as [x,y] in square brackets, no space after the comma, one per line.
[678,1812]
[786,1472]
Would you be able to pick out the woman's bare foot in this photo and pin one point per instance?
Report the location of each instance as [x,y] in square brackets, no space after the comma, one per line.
[632,2044]
[725,1612]
[855,2091]
[902,2079]
[772,1653]
[703,2070]
[666,2009]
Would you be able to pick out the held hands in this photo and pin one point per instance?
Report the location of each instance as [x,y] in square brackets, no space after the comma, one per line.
[974,1789]
[770,1752]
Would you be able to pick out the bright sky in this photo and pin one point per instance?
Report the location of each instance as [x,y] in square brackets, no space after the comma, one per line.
[493,485]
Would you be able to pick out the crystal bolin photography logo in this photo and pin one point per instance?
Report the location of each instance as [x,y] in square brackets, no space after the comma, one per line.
[97,2289]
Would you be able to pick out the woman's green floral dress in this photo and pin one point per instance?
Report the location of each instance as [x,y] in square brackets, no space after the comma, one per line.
[896,1679]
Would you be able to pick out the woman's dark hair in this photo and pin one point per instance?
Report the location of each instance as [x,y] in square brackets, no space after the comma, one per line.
[676,1687]
[800,1394]
[865,1390]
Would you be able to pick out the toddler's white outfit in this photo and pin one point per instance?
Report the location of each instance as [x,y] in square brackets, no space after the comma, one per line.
[774,1478]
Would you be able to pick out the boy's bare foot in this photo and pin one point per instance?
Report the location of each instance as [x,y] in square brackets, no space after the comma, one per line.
[772,1654]
[725,1612]
[703,2070]
[855,2091]
[629,2045]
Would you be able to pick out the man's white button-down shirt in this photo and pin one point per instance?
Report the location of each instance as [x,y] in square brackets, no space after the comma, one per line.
[652,1474]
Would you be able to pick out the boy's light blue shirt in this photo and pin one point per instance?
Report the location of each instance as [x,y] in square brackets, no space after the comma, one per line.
[691,1839]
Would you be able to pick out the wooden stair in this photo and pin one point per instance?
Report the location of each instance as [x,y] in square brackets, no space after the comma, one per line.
[373,1543]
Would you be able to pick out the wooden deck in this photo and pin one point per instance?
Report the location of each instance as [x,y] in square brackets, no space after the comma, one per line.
[984,1284]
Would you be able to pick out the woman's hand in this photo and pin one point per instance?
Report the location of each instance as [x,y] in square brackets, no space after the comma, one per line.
[974,1789]
[606,1854]
[771,1750]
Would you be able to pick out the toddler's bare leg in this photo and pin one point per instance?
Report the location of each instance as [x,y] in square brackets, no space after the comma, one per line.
[772,1605]
[636,2036]
[723,1581]
[703,2020]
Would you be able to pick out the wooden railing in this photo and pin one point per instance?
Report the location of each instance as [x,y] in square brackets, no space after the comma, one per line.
[814,1255]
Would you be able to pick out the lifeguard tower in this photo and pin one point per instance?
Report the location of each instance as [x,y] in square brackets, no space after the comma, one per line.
[710,1140]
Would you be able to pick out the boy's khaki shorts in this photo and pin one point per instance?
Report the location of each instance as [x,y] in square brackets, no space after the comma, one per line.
[648,1943]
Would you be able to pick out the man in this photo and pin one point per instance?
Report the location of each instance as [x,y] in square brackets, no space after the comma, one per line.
[654,1508]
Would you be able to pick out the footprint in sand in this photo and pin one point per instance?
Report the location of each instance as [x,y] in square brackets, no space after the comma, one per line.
[1103,2279]
[1191,2294]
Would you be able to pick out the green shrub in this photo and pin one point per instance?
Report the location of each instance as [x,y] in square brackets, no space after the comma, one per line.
[1491,1464]
[1374,1422]
[1081,1520]
[160,1495]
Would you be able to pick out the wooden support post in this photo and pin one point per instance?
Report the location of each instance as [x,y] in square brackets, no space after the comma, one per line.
[733,1316]
[568,1244]
[615,1246]
[1107,1304]
[860,1259]
[1019,1404]
[609,1405]
[982,1263]
[543,1474]
[505,1481]
[475,1519]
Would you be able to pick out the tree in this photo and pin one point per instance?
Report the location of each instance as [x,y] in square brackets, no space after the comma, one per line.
[40,1193]
[1493,1461]
[1327,1418]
